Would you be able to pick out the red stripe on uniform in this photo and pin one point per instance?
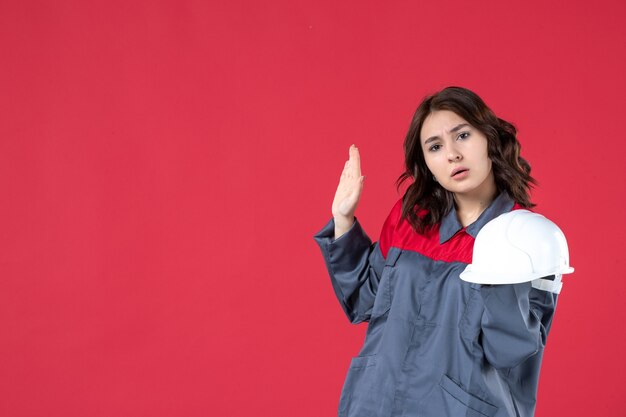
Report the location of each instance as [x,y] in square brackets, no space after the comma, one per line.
[399,234]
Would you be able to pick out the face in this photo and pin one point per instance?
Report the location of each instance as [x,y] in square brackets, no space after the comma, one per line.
[456,154]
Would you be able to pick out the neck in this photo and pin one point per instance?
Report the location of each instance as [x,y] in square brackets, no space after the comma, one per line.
[469,206]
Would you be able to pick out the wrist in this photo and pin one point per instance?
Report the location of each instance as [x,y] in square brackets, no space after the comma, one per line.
[344,222]
[342,225]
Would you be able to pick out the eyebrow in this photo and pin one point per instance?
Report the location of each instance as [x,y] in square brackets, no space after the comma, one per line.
[453,130]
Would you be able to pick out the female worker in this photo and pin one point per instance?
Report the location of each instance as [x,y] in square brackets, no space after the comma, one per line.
[437,346]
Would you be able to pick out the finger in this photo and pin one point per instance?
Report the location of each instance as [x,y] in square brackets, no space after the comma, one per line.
[346,170]
[355,158]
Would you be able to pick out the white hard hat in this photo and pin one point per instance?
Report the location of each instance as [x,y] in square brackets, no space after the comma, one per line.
[518,246]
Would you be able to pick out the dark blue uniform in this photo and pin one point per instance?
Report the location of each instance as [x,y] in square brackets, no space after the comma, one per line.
[436,346]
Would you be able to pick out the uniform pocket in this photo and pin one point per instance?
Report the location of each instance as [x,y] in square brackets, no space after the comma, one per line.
[382,303]
[450,399]
[356,392]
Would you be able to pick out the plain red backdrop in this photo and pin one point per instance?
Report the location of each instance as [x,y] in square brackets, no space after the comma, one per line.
[164,165]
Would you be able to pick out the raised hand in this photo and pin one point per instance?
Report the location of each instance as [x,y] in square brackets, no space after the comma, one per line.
[348,193]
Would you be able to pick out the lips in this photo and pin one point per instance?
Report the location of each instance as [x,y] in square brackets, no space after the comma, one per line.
[458,171]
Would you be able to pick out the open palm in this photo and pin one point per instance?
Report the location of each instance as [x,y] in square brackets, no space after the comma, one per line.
[349,190]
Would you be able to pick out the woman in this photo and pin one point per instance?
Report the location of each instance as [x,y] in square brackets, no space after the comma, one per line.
[436,345]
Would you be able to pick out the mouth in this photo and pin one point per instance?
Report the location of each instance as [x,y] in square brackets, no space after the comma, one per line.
[459,172]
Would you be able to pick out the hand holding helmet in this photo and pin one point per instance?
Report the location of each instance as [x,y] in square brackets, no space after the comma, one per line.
[519,246]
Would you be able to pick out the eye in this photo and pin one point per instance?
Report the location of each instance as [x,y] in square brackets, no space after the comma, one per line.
[463,135]
[434,148]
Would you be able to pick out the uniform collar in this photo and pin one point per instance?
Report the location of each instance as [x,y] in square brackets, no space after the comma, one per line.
[450,224]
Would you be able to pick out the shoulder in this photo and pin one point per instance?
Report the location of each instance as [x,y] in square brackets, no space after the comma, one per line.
[397,231]
[394,219]
[389,228]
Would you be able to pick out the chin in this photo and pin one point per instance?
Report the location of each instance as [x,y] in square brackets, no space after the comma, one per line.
[462,188]
[469,189]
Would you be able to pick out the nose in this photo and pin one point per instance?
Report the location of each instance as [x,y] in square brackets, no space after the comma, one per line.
[454,155]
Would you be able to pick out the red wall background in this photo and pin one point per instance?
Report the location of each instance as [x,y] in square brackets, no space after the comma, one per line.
[164,165]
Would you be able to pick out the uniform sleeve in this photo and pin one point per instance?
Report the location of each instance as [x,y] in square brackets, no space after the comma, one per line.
[355,265]
[515,322]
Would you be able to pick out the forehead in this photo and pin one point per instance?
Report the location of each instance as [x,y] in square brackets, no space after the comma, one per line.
[439,123]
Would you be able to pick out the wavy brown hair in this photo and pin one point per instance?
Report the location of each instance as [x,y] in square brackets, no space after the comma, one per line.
[425,201]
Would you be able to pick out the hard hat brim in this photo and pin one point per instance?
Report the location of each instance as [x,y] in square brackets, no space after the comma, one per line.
[491,278]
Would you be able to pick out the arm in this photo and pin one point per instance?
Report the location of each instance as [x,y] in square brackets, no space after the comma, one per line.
[353,262]
[354,265]
[515,322]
